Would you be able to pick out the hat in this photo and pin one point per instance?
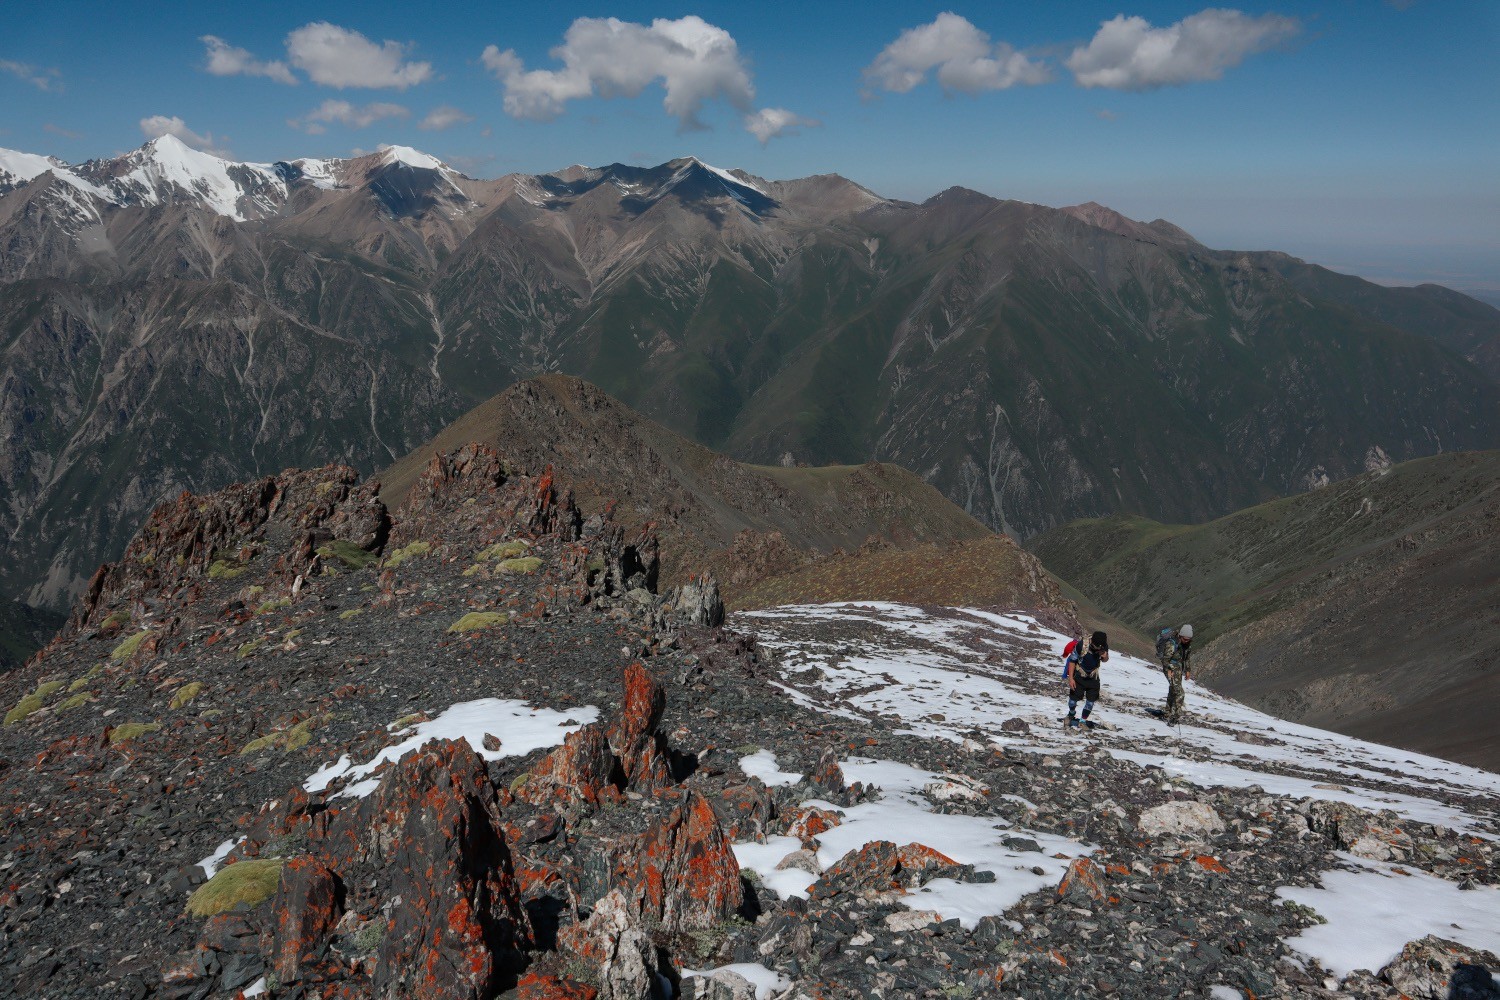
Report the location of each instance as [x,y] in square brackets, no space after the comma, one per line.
[1101,640]
[1186,632]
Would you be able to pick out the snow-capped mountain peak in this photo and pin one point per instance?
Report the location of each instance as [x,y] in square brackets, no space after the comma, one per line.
[409,157]
[167,170]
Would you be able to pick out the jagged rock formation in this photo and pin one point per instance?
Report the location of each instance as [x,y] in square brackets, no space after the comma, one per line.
[177,321]
[462,749]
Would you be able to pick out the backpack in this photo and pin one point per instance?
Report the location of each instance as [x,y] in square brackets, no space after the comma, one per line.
[1166,644]
[1074,646]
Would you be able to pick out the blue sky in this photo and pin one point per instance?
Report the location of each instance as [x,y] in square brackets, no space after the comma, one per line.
[1359,133]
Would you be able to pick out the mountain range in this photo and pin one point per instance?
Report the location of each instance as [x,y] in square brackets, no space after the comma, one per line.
[173,320]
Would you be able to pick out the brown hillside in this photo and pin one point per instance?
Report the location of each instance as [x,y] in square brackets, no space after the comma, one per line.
[743,522]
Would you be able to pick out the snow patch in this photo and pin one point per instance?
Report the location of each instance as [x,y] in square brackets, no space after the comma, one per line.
[903,816]
[1373,909]
[521,728]
[762,764]
[211,864]
[947,673]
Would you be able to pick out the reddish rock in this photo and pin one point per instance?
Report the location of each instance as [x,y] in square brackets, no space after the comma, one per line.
[581,770]
[1083,883]
[828,775]
[642,751]
[881,866]
[872,868]
[435,824]
[537,987]
[309,901]
[806,822]
[745,810]
[682,873]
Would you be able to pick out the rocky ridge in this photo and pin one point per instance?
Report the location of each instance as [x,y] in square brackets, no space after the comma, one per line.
[464,749]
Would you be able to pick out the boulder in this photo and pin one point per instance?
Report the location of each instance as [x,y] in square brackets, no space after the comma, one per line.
[613,941]
[955,788]
[1435,969]
[643,753]
[1082,884]
[745,810]
[1181,819]
[697,602]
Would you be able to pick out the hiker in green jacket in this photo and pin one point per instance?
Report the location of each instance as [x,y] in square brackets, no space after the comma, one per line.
[1173,647]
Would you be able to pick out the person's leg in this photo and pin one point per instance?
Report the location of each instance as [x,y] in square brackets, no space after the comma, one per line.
[1174,695]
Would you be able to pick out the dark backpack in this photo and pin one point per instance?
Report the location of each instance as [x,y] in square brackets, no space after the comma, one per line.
[1166,644]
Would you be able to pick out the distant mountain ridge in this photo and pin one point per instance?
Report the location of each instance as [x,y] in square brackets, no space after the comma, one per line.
[174,320]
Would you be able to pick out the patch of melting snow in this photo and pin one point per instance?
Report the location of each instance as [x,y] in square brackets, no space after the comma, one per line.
[762,764]
[211,863]
[903,816]
[765,981]
[521,728]
[1373,909]
[257,988]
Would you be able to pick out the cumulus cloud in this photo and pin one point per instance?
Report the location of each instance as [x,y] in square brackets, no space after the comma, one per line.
[964,57]
[1127,53]
[341,57]
[695,61]
[157,126]
[332,112]
[223,59]
[768,123]
[41,79]
[443,117]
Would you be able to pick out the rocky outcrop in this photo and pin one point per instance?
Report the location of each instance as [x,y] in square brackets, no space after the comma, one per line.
[284,518]
[643,752]
[613,941]
[459,927]
[682,873]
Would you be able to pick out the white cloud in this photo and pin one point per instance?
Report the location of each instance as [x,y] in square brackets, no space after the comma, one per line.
[340,57]
[695,61]
[41,79]
[157,126]
[768,123]
[1129,54]
[963,56]
[59,130]
[443,117]
[223,59]
[316,121]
